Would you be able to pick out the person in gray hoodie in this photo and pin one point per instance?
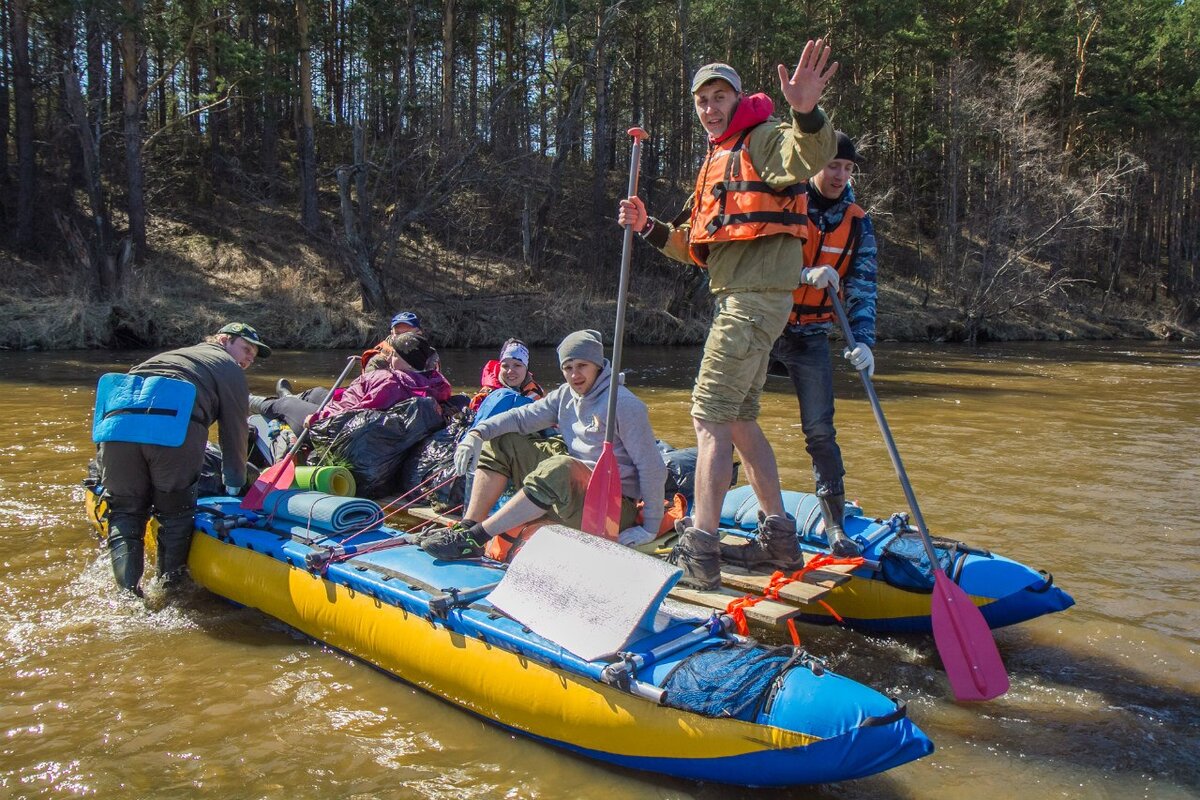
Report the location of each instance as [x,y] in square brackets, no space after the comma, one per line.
[553,474]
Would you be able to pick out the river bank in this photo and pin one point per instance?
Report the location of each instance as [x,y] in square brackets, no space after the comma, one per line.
[259,267]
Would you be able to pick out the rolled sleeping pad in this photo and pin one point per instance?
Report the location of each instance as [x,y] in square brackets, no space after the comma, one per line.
[330,480]
[323,513]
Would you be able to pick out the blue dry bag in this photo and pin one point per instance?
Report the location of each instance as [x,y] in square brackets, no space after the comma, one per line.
[144,409]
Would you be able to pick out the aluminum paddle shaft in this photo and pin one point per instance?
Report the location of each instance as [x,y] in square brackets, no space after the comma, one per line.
[962,635]
[602,504]
[635,161]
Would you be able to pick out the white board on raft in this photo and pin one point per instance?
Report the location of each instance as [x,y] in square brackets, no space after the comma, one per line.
[584,593]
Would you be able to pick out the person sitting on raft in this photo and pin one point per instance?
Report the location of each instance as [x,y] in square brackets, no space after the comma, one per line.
[377,356]
[411,371]
[553,474]
[510,371]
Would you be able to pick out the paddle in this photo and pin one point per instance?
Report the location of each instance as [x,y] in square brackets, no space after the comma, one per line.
[281,474]
[963,638]
[602,504]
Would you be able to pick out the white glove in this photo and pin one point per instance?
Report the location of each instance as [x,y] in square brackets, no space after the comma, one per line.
[632,537]
[466,455]
[861,358]
[820,277]
[232,491]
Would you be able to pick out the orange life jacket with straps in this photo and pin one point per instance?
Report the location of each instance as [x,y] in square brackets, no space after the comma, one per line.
[835,248]
[381,349]
[732,203]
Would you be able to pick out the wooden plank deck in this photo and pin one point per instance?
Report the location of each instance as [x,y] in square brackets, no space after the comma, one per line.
[736,581]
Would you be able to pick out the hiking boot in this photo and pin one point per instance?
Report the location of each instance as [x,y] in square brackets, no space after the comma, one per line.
[698,552]
[257,404]
[283,388]
[774,545]
[833,509]
[460,540]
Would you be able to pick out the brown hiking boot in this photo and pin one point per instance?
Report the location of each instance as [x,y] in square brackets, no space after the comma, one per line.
[774,545]
[699,554]
[833,509]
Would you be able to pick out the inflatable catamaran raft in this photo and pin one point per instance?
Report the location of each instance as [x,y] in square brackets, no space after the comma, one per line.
[550,646]
[888,590]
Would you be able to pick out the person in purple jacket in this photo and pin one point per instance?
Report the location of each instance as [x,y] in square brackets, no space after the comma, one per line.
[411,371]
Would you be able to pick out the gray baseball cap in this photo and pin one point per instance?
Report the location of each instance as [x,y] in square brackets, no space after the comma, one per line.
[713,71]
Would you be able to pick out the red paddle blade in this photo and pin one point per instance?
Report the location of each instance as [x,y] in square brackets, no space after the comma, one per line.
[602,504]
[965,644]
[277,476]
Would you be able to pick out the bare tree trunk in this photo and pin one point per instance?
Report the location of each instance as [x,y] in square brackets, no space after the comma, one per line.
[365,217]
[269,147]
[103,269]
[308,149]
[410,62]
[131,95]
[448,69]
[358,251]
[5,118]
[96,77]
[23,97]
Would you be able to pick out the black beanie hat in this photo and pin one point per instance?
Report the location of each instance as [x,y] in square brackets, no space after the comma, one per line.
[845,148]
[413,348]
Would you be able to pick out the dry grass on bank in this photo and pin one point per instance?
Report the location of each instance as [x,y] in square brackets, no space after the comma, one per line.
[238,262]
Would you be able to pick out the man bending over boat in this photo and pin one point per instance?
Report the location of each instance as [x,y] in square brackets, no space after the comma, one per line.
[553,474]
[142,473]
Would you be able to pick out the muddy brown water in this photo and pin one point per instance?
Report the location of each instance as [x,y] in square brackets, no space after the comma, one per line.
[1081,459]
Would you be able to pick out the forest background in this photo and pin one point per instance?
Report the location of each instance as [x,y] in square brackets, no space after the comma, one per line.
[1032,166]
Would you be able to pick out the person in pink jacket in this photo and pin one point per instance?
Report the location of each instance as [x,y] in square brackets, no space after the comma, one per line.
[411,371]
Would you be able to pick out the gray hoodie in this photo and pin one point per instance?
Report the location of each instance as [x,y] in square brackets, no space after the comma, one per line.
[581,421]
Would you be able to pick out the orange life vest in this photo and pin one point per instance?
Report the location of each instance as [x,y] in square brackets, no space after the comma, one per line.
[507,544]
[732,203]
[381,349]
[835,249]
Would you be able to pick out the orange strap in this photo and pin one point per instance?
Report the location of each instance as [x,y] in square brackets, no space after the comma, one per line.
[737,608]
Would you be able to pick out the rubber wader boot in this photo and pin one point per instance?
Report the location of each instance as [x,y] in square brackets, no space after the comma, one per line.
[174,542]
[125,548]
[698,552]
[775,545]
[833,509]
[283,388]
[256,404]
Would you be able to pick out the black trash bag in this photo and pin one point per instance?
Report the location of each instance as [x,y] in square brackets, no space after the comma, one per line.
[433,461]
[681,472]
[373,444]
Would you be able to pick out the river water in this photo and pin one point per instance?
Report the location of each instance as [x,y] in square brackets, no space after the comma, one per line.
[1081,459]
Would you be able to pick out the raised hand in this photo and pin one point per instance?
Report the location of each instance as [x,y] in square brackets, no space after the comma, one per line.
[804,87]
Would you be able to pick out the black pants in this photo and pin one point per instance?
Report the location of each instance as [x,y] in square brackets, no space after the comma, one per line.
[293,410]
[144,479]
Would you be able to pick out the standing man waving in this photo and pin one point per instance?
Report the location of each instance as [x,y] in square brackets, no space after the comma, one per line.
[746,223]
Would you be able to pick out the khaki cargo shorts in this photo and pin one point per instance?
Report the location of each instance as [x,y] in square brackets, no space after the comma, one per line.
[734,368]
